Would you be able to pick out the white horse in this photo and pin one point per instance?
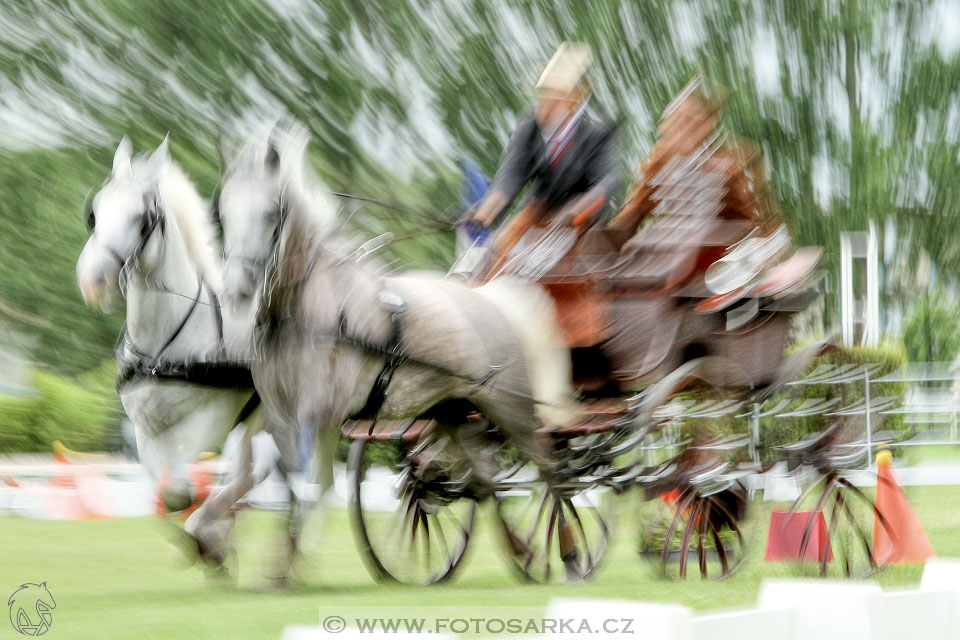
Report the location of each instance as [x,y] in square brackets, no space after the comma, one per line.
[497,348]
[153,241]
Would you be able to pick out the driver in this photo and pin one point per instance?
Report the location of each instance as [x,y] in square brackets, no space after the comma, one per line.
[565,156]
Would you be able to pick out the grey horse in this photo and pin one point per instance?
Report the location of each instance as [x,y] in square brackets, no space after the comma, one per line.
[336,339]
[152,239]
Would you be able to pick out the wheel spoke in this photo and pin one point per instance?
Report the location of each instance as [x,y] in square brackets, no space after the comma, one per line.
[551,525]
[413,542]
[815,520]
[871,558]
[721,552]
[701,548]
[833,536]
[681,506]
[687,534]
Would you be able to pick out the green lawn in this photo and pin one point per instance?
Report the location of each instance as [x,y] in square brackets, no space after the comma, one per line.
[123,579]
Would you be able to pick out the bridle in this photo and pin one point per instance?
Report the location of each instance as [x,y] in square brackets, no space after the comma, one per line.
[254,265]
[154,218]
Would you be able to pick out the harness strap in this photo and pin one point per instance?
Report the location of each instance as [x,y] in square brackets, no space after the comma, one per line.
[222,375]
[184,320]
[378,393]
[249,408]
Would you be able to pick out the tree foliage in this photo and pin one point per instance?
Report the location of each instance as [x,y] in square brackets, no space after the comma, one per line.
[855,105]
[932,331]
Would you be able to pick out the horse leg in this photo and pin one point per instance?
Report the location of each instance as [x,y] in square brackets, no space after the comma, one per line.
[516,418]
[321,478]
[288,464]
[206,525]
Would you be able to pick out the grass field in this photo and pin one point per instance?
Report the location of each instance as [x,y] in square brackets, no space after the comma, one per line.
[122,579]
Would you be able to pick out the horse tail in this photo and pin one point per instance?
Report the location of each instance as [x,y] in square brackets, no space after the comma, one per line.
[532,314]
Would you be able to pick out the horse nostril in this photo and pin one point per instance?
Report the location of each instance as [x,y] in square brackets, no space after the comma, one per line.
[92,285]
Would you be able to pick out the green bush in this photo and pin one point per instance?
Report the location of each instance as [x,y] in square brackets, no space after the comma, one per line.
[778,431]
[82,411]
[931,333]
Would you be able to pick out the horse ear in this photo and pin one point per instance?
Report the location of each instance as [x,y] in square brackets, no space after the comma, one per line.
[163,151]
[122,158]
[161,157]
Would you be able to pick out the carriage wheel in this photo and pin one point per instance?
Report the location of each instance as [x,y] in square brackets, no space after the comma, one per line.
[554,535]
[412,523]
[699,524]
[699,530]
[848,516]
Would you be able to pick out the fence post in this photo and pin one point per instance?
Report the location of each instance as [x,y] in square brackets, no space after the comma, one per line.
[866,381]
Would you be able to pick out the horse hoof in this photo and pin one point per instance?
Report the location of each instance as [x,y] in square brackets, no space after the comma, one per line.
[277,583]
[220,574]
[187,547]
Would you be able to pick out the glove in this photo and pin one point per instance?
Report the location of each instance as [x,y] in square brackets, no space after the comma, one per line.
[475,230]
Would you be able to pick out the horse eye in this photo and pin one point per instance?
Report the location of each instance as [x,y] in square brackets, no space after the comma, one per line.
[89,218]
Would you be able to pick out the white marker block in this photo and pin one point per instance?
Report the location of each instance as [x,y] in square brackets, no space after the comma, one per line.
[913,614]
[822,609]
[944,573]
[750,624]
[780,485]
[319,633]
[626,618]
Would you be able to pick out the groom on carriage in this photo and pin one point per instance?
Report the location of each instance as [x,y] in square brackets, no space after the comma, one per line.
[566,157]
[690,131]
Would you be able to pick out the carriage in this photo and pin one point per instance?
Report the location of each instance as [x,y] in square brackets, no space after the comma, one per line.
[687,322]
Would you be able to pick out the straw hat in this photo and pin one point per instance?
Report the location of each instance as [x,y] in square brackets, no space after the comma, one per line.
[565,71]
[710,95]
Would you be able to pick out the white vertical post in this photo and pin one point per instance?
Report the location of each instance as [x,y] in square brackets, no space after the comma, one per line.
[871,312]
[866,382]
[865,309]
[847,311]
[755,434]
[754,444]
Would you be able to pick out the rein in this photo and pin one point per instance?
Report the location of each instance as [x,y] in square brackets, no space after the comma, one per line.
[390,351]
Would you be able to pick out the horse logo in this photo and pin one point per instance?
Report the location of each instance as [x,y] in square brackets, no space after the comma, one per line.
[30,607]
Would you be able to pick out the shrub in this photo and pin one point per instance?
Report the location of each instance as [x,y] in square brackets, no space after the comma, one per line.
[82,411]
[778,431]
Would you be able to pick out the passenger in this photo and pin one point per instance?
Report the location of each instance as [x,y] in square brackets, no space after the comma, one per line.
[692,143]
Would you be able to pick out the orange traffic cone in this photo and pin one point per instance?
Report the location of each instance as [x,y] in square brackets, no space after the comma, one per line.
[898,536]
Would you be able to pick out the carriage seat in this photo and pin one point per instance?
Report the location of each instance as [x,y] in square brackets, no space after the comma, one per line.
[668,255]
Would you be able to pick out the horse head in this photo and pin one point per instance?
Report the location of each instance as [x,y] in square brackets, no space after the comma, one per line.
[265,205]
[122,218]
[249,213]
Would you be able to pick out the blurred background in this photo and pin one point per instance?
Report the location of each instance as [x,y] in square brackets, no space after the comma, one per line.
[855,104]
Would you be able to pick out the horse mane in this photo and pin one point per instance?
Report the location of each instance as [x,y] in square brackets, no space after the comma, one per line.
[194,220]
[311,213]
[307,198]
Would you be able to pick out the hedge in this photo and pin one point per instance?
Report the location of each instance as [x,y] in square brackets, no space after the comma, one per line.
[82,411]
